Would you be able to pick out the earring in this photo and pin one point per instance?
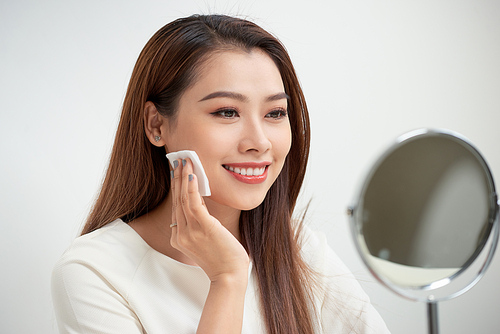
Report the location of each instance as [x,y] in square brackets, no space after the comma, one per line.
[157,138]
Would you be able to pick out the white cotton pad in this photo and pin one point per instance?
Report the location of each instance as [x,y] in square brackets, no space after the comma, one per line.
[203,186]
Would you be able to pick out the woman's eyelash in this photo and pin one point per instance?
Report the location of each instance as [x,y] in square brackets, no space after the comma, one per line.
[277,113]
[226,113]
[232,113]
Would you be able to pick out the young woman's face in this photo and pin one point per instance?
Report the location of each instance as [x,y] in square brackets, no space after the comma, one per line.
[235,118]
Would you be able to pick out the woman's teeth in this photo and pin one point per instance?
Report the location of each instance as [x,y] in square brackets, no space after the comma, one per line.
[246,171]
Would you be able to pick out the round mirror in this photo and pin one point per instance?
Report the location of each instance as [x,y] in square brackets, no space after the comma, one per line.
[425,219]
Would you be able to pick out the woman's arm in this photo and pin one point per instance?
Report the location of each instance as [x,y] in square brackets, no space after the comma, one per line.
[223,310]
[203,239]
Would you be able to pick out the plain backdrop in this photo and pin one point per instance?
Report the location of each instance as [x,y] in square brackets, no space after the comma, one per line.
[370,70]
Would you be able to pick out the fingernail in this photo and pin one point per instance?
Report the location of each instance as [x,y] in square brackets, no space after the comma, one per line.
[176,163]
[190,177]
[183,162]
[171,174]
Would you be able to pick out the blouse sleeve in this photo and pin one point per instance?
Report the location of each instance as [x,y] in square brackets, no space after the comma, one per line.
[343,306]
[84,302]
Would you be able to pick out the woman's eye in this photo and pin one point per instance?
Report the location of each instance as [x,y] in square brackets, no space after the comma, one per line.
[277,114]
[226,113]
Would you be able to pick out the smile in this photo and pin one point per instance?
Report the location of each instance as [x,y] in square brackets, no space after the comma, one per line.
[246,171]
[250,173]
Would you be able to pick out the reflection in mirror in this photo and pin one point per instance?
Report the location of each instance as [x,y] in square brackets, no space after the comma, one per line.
[425,219]
[434,214]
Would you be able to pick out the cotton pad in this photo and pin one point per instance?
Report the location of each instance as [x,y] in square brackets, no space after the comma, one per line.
[203,186]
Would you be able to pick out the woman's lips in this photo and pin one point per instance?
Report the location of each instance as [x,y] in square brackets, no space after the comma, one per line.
[251,173]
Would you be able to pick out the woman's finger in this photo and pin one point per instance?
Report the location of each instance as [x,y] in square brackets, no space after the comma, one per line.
[192,203]
[187,176]
[195,201]
[173,224]
[178,217]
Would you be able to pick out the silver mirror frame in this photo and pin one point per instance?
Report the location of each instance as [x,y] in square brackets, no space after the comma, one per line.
[442,289]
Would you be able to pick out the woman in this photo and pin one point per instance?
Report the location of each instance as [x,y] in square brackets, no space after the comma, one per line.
[157,257]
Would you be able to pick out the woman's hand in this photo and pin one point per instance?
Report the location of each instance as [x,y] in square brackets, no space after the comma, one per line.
[201,236]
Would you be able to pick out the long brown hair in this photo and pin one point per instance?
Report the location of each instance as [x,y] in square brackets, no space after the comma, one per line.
[137,178]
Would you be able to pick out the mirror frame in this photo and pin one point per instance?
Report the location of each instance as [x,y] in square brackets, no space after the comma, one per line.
[430,293]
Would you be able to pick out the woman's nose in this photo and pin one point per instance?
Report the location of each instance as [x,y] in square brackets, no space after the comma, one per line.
[254,137]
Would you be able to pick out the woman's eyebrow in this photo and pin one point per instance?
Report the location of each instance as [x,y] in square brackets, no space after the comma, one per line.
[277,97]
[231,95]
[243,98]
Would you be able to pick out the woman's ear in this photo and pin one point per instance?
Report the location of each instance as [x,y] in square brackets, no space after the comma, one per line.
[153,123]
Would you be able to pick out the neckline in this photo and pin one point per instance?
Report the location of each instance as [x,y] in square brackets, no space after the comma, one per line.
[138,237]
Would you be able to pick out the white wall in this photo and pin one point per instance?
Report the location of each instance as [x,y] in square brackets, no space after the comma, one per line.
[371,70]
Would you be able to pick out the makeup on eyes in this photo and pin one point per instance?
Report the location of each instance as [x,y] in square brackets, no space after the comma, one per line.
[224,113]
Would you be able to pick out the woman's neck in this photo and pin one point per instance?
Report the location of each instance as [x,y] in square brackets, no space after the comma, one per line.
[227,216]
[154,227]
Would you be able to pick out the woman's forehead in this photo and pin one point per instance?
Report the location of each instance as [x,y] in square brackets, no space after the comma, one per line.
[238,71]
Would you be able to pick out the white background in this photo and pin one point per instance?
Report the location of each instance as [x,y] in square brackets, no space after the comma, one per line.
[371,70]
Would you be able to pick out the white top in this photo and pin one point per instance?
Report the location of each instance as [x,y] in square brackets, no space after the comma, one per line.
[112,281]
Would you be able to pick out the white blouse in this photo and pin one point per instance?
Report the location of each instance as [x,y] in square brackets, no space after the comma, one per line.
[112,281]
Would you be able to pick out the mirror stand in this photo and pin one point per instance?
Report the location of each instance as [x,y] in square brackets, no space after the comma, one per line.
[432,317]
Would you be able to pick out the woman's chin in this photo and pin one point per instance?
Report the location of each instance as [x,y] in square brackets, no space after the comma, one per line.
[251,207]
[244,203]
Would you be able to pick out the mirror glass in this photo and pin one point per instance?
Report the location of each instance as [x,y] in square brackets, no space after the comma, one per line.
[425,211]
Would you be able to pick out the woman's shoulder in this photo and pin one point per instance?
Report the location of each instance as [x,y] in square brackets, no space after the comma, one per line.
[331,271]
[341,301]
[95,274]
[317,253]
[105,243]
[112,250]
